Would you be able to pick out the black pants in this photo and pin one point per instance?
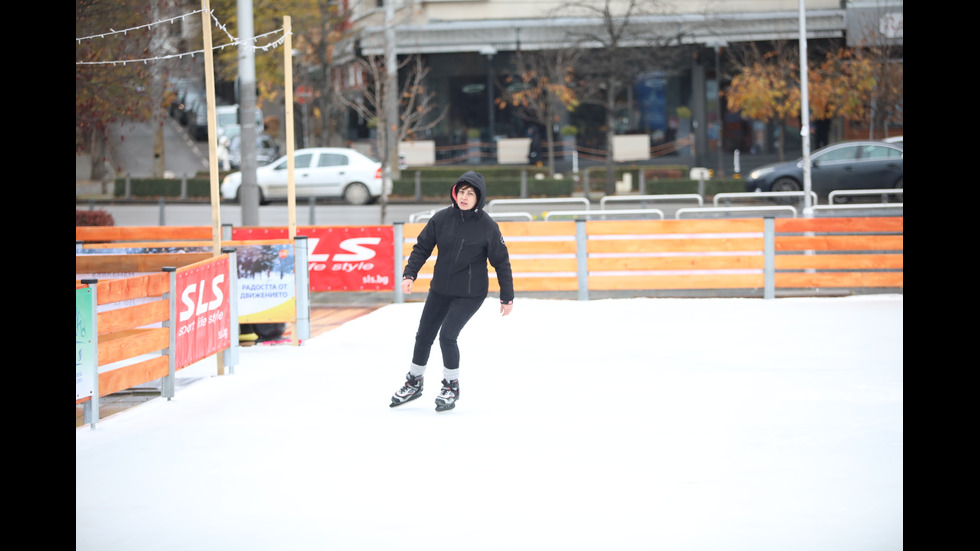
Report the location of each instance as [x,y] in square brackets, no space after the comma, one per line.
[446,316]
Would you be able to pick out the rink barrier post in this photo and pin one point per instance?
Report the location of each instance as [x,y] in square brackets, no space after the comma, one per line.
[582,259]
[301,251]
[90,408]
[769,256]
[399,237]
[230,355]
[168,383]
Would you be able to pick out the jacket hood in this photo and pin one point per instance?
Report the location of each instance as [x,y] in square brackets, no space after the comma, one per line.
[474,179]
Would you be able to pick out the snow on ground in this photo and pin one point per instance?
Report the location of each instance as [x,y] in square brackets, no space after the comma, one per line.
[619,424]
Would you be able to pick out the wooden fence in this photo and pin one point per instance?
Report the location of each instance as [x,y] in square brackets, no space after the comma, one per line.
[126,326]
[753,255]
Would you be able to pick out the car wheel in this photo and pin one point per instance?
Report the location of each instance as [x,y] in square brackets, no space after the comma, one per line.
[785,184]
[357,194]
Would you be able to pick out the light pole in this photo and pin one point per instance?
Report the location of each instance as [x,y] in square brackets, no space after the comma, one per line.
[805,114]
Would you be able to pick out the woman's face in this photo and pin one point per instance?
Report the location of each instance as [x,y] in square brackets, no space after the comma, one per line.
[466,197]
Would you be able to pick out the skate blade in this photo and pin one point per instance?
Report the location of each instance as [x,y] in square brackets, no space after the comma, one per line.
[395,403]
[445,407]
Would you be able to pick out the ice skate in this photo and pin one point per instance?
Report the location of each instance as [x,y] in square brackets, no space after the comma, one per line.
[411,390]
[448,395]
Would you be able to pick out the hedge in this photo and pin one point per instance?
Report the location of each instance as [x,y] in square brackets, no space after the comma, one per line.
[502,182]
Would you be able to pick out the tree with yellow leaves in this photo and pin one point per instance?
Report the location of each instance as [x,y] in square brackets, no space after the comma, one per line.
[767,88]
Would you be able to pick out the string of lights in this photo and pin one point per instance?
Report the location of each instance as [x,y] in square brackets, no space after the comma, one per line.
[131,29]
[234,41]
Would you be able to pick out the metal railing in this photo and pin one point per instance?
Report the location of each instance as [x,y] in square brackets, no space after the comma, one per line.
[758,210]
[884,193]
[651,198]
[537,202]
[604,214]
[763,195]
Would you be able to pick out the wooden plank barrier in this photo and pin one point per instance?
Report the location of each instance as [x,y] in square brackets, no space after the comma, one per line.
[823,253]
[122,334]
[675,254]
[698,254]
[133,318]
[104,234]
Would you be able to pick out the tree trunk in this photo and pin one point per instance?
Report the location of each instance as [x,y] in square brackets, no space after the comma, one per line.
[101,162]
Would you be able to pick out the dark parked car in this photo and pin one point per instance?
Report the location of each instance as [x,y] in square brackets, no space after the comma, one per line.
[197,120]
[845,165]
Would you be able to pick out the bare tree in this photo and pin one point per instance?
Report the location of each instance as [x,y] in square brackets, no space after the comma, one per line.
[367,95]
[626,41]
[881,49]
[541,89]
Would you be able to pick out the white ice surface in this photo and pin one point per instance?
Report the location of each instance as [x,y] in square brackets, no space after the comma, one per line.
[620,424]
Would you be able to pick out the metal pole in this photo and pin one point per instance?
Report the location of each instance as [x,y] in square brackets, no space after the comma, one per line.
[90,410]
[399,260]
[769,255]
[231,354]
[169,382]
[805,114]
[582,257]
[301,248]
[246,113]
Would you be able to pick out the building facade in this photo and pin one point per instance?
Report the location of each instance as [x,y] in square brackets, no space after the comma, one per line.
[469,46]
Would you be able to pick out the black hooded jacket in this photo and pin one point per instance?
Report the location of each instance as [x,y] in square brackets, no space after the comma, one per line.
[466,240]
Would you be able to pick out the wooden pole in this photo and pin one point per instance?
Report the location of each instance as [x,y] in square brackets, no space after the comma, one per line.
[287,26]
[212,127]
[212,146]
[290,162]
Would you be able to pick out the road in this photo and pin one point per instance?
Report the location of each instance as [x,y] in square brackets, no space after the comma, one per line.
[131,147]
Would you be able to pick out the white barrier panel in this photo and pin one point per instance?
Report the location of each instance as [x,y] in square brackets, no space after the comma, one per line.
[513,151]
[631,148]
[418,153]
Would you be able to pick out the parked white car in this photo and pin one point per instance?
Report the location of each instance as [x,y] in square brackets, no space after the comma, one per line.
[322,172]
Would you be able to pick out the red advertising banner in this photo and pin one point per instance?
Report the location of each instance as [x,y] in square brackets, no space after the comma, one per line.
[341,258]
[203,311]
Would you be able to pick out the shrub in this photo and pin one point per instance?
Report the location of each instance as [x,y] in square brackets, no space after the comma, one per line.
[93,218]
[198,188]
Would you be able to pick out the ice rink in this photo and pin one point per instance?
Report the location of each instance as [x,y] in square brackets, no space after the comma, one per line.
[620,424]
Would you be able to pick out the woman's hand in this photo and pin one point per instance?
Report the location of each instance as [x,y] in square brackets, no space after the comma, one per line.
[407,285]
[505,308]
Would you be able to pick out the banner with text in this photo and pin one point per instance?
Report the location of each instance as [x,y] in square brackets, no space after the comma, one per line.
[341,258]
[203,311]
[85,344]
[266,283]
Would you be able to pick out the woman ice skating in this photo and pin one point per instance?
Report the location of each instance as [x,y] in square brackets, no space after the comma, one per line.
[466,238]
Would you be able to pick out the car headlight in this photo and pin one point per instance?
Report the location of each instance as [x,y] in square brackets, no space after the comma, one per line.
[760,172]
